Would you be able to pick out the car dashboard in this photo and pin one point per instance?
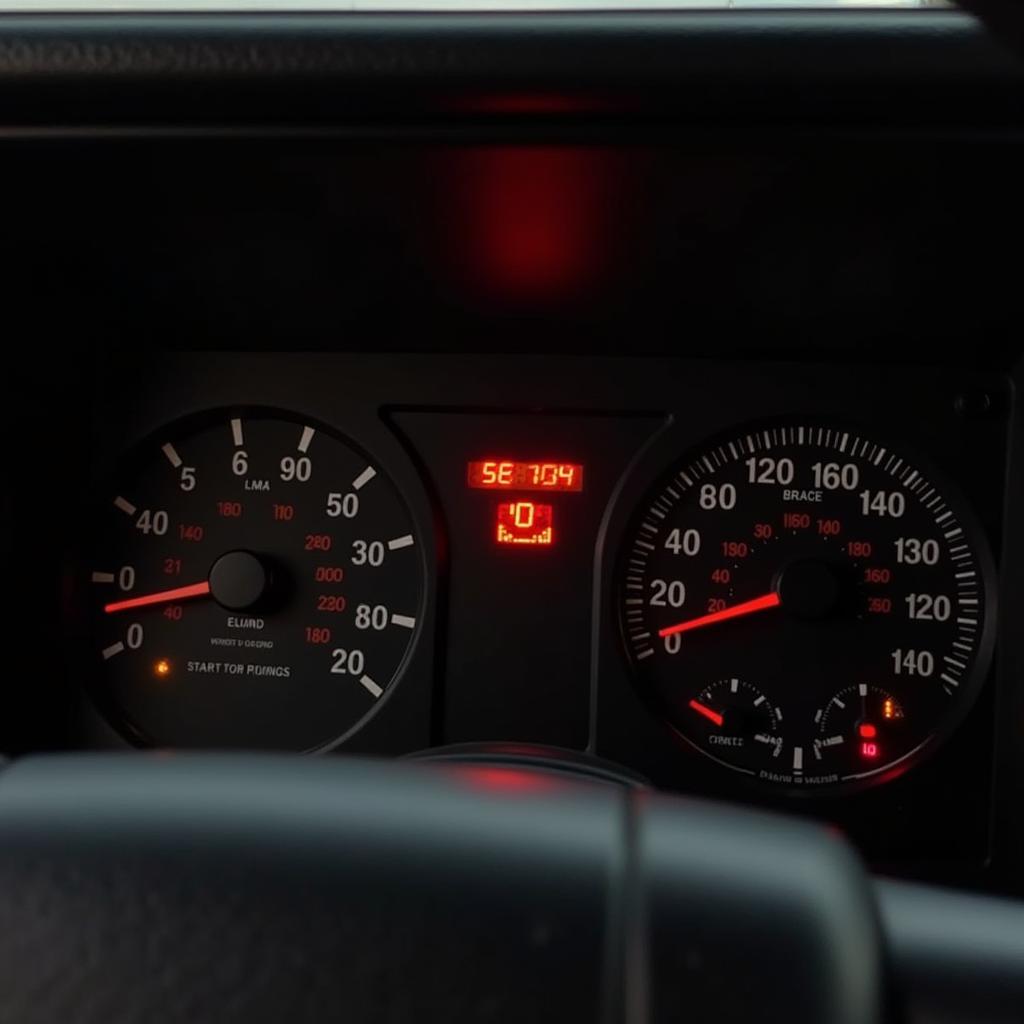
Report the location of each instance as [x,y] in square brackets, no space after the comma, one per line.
[522,434]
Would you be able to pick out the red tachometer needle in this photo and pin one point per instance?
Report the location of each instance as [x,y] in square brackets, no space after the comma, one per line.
[759,604]
[161,597]
[703,709]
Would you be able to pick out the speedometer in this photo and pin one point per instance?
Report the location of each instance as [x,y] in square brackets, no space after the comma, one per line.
[257,582]
[807,606]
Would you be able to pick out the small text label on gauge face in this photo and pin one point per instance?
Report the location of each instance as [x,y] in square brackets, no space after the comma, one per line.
[234,622]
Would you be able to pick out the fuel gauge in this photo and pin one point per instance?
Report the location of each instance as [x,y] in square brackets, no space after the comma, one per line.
[862,724]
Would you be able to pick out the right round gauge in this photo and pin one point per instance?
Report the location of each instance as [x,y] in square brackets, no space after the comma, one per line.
[807,605]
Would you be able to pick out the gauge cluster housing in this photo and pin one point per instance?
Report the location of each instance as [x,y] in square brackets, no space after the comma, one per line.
[522,644]
[489,251]
[588,291]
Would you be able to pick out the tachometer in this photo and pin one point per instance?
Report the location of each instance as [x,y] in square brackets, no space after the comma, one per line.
[258,583]
[807,606]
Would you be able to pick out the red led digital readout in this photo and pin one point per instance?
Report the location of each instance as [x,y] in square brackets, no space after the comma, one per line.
[525,522]
[509,475]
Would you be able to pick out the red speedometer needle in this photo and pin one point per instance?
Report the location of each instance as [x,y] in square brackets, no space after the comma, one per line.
[703,709]
[759,604]
[160,597]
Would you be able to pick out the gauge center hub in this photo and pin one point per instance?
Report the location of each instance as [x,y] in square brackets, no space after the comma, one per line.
[810,589]
[238,580]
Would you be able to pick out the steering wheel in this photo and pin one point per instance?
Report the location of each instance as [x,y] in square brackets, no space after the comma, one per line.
[172,889]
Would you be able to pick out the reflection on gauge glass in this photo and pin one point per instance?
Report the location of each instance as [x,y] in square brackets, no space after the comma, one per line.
[806,606]
[257,582]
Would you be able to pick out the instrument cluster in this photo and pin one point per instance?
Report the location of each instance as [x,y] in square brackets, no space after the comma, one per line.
[774,583]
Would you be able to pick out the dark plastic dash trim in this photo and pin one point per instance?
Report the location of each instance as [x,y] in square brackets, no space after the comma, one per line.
[875,68]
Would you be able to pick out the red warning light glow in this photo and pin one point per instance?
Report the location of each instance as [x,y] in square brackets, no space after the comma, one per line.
[867,731]
[525,522]
[509,475]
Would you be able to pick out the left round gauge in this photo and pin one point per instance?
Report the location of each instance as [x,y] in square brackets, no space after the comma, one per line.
[257,583]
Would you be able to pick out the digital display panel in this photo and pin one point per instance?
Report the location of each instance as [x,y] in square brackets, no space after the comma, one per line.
[525,522]
[510,475]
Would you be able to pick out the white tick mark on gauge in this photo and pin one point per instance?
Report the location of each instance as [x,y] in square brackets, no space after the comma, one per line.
[103,577]
[307,437]
[236,433]
[371,686]
[862,689]
[734,685]
[839,704]
[364,478]
[798,759]
[759,701]
[403,620]
[125,506]
[109,652]
[401,542]
[172,456]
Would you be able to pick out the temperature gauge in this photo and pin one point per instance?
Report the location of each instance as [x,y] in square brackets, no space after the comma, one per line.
[736,719]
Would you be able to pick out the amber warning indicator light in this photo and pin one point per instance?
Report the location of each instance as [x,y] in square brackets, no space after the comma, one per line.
[525,522]
[508,475]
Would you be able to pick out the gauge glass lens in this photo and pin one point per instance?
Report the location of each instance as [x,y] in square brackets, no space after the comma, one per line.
[257,582]
[806,606]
